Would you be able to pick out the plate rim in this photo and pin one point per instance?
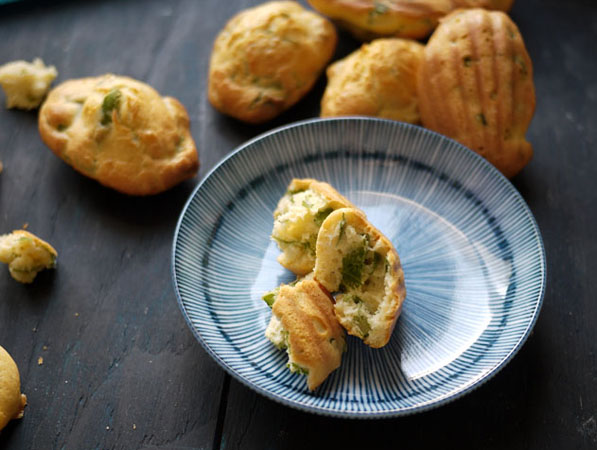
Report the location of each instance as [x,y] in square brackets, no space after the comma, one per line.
[473,385]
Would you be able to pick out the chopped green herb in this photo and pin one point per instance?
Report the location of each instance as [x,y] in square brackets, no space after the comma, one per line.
[282,241]
[379,8]
[377,259]
[294,191]
[519,61]
[270,297]
[352,267]
[311,244]
[467,61]
[306,204]
[363,325]
[179,141]
[256,101]
[61,127]
[110,103]
[356,299]
[481,119]
[342,228]
[322,214]
[295,368]
[285,343]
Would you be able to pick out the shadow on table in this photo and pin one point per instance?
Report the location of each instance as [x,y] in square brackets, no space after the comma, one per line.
[497,415]
[93,198]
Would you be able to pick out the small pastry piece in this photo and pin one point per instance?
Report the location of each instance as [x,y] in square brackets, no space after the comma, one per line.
[267,58]
[26,255]
[476,86]
[356,259]
[379,79]
[26,84]
[12,402]
[303,322]
[120,132]
[297,218]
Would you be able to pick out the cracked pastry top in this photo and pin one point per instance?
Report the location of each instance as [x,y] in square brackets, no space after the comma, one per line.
[267,58]
[120,132]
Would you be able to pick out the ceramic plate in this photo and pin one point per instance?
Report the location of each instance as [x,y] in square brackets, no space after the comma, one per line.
[472,255]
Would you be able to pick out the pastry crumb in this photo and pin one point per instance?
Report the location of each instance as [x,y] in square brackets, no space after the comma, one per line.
[26,255]
[26,84]
[40,361]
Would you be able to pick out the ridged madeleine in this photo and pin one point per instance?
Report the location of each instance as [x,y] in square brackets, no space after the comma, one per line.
[475,85]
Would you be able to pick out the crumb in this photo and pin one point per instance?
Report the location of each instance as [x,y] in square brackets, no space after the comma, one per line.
[107,428]
[1,167]
[26,84]
[40,361]
[25,225]
[45,347]
[134,427]
[26,255]
[76,314]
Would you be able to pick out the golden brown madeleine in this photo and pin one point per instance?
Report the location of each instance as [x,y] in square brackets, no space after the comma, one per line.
[120,132]
[12,402]
[379,79]
[476,85]
[267,58]
[314,339]
[369,19]
[358,261]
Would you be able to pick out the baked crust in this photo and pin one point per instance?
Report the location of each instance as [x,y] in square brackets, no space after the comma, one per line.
[334,198]
[379,80]
[387,296]
[120,132]
[12,402]
[267,58]
[315,339]
[414,19]
[476,85]
[369,19]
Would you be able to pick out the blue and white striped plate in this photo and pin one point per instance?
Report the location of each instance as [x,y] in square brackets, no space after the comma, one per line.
[472,254]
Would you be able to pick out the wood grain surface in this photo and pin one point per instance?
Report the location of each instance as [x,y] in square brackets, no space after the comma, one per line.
[120,368]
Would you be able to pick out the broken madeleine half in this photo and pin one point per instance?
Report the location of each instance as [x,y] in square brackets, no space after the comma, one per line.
[303,323]
[360,263]
[297,218]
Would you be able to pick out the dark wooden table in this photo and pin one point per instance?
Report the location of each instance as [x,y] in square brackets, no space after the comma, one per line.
[120,367]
